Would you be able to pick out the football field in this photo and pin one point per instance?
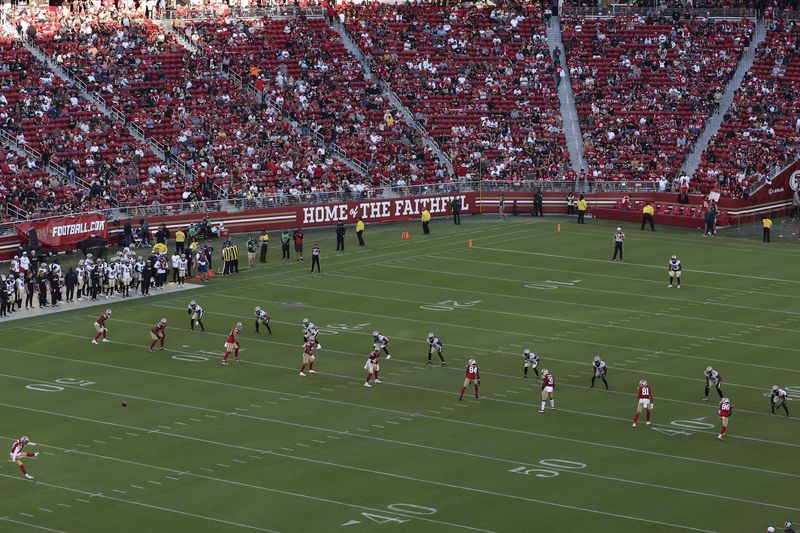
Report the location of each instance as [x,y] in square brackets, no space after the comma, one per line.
[254,446]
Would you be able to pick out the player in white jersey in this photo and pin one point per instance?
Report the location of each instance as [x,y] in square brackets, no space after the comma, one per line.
[310,332]
[381,342]
[127,278]
[531,361]
[182,266]
[262,318]
[599,370]
[196,313]
[778,399]
[435,345]
[17,453]
[712,378]
[138,268]
[674,271]
[80,272]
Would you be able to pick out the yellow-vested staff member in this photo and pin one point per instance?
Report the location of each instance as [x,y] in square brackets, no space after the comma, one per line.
[360,231]
[160,248]
[263,239]
[582,206]
[180,241]
[647,216]
[426,218]
[767,223]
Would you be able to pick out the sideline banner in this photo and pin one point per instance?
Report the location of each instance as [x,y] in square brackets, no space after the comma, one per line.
[55,232]
[389,210]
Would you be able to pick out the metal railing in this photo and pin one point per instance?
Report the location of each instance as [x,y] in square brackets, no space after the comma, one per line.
[777,169]
[254,12]
[613,10]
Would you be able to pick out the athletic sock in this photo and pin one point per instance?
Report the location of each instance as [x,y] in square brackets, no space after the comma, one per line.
[592,381]
[605,383]
[22,468]
[636,418]
[228,354]
[552,404]
[723,430]
[648,415]
[542,405]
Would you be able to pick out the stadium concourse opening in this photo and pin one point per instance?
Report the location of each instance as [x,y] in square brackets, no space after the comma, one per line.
[436,196]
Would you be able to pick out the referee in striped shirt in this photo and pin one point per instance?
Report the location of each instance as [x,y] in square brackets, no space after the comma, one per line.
[619,237]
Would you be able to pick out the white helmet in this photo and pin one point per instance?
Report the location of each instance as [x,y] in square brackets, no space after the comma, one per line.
[596,358]
[430,336]
[725,400]
[472,361]
[375,333]
[193,303]
[306,321]
[619,229]
[163,320]
[709,369]
[674,257]
[526,352]
[108,312]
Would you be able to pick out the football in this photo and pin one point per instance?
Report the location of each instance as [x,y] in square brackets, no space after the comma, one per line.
[124,404]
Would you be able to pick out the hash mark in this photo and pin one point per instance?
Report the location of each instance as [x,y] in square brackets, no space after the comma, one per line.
[179,423]
[287,449]
[223,466]
[172,478]
[154,482]
[63,505]
[137,487]
[303,445]
[115,438]
[82,500]
[119,491]
[195,420]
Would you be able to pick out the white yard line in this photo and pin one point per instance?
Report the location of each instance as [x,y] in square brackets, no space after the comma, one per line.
[35,526]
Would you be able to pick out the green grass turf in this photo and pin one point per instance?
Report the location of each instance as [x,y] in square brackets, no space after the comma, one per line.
[203,447]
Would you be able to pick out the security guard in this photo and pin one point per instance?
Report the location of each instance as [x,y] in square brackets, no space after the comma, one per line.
[767,228]
[426,218]
[180,241]
[582,206]
[619,237]
[263,240]
[360,231]
[647,216]
[340,232]
[285,238]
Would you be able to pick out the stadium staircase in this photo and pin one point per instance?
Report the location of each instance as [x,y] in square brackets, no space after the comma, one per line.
[569,112]
[714,122]
[250,90]
[177,164]
[355,50]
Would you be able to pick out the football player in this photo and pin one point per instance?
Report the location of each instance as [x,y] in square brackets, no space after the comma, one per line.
[183,264]
[599,370]
[674,271]
[645,395]
[725,411]
[308,358]
[435,345]
[100,326]
[381,342]
[310,332]
[548,386]
[232,344]
[158,333]
[712,377]
[778,399]
[372,367]
[262,317]
[532,361]
[17,453]
[472,377]
[196,318]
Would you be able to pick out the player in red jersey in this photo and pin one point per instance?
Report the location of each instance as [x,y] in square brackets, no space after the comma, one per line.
[645,395]
[100,326]
[17,453]
[548,386]
[308,357]
[372,367]
[232,344]
[472,377]
[158,333]
[725,411]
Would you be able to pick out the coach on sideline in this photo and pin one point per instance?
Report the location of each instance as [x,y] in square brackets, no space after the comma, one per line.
[647,216]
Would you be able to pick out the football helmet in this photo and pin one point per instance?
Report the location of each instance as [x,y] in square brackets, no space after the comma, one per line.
[258,309]
[643,383]
[375,334]
[725,400]
[24,439]
[545,372]
[774,388]
[596,358]
[526,352]
[163,321]
[238,325]
[430,336]
[108,312]
[709,370]
[193,303]
[306,321]
[674,257]
[472,361]
[619,229]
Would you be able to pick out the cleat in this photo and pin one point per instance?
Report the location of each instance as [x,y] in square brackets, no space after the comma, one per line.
[648,422]
[634,424]
[319,346]
[428,363]
[94,341]
[237,360]
[541,410]
[106,340]
[312,371]
[444,364]
[525,375]
[460,399]
[150,350]
[367,385]
[223,362]
[669,286]
[162,349]
[679,286]
[552,408]
[388,356]
[36,454]
[377,381]
[720,436]
[303,374]
[28,476]
[705,399]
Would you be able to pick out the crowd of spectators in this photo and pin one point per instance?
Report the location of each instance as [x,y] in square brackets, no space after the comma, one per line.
[480,80]
[645,87]
[761,129]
